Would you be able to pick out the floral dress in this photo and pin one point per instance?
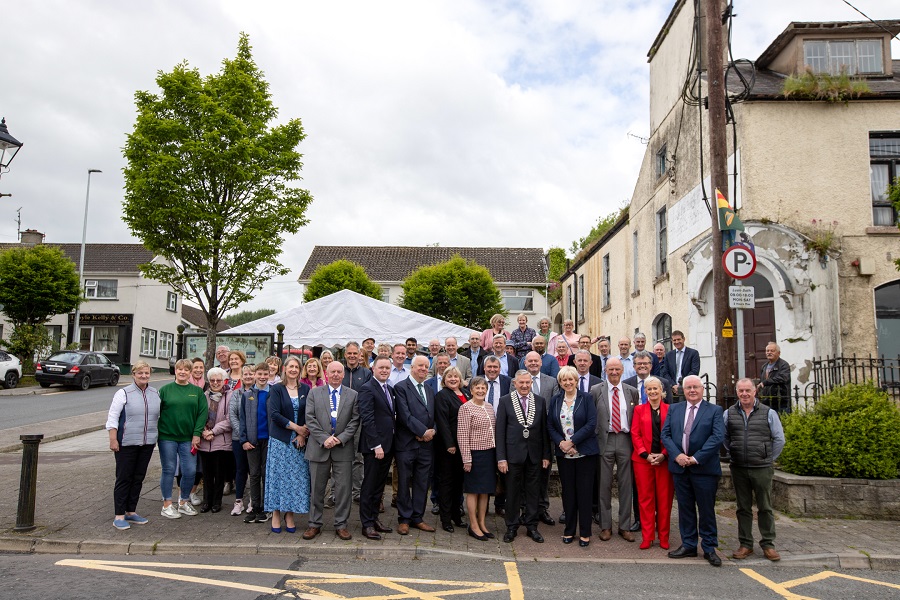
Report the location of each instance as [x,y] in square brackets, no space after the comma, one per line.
[287,471]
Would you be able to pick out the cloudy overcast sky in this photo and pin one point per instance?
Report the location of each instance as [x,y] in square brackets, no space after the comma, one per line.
[458,122]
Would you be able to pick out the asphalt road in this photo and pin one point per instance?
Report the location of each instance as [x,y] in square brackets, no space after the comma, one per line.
[38,577]
[58,403]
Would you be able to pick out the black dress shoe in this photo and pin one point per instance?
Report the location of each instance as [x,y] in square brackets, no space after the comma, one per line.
[562,518]
[546,519]
[216,508]
[471,533]
[499,511]
[584,543]
[597,518]
[459,522]
[435,509]
[682,552]
[204,508]
[382,528]
[635,527]
[568,539]
[489,535]
[370,533]
[713,558]
[448,528]
[535,535]
[510,534]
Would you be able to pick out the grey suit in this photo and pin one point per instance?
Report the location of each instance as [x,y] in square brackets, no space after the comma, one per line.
[462,363]
[615,451]
[336,462]
[549,387]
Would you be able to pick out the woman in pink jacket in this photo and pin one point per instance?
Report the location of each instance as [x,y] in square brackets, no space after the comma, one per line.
[215,442]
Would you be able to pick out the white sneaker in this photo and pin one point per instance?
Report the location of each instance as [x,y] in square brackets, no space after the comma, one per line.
[196,499]
[170,512]
[238,508]
[185,508]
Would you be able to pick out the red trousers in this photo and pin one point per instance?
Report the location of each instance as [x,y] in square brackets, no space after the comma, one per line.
[655,491]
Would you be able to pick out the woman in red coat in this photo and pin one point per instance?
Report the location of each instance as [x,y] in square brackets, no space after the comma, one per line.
[650,464]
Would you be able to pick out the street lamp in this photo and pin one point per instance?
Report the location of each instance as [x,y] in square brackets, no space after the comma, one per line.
[75,330]
[9,146]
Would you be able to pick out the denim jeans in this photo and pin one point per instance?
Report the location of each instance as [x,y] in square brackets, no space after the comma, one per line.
[170,455]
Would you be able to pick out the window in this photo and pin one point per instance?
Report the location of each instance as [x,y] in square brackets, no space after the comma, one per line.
[662,330]
[662,244]
[518,300]
[172,301]
[580,298]
[98,339]
[101,288]
[570,300]
[606,283]
[385,294]
[660,161]
[853,57]
[884,154]
[166,344]
[148,342]
[55,333]
[635,286]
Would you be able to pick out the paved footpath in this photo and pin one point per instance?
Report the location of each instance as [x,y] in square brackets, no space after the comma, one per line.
[74,515]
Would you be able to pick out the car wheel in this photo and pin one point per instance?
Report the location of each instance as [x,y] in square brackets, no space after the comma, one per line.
[44,384]
[85,382]
[11,380]
[114,379]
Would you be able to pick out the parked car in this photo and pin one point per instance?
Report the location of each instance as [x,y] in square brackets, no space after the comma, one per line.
[76,368]
[10,370]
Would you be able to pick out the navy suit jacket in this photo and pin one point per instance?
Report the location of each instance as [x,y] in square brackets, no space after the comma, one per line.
[504,389]
[667,387]
[512,364]
[377,418]
[281,411]
[690,365]
[584,420]
[707,435]
[413,418]
[596,368]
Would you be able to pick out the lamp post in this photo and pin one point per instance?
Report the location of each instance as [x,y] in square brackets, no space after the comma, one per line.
[9,147]
[76,333]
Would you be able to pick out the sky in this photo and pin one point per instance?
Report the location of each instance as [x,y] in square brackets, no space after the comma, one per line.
[456,122]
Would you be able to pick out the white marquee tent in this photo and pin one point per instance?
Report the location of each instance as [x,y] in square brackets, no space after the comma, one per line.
[347,316]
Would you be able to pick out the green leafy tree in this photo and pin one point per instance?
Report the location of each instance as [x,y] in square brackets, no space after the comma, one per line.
[603,225]
[457,291]
[894,196]
[207,186]
[245,316]
[337,276]
[557,266]
[36,283]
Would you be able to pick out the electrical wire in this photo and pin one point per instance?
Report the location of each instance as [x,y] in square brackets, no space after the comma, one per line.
[874,22]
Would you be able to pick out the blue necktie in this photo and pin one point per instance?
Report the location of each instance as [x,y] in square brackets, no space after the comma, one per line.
[643,394]
[333,411]
[491,393]
[387,395]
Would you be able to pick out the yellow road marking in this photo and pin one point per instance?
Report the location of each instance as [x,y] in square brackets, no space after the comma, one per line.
[308,583]
[784,588]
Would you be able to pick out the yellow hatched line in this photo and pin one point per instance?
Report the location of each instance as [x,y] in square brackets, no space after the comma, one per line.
[775,587]
[784,587]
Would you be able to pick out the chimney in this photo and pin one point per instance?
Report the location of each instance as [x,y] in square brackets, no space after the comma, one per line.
[31,237]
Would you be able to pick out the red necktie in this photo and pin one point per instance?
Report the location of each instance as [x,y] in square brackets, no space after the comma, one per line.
[616,418]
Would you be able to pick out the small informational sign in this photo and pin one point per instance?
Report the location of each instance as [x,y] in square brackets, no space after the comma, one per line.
[728,333]
[256,347]
[742,297]
[739,262]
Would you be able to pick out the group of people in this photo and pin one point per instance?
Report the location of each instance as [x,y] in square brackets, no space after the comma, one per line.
[477,423]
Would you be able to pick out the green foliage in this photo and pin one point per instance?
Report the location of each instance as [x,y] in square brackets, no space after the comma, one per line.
[823,86]
[557,266]
[36,283]
[894,196]
[853,431]
[603,225]
[340,275]
[208,183]
[458,291]
[245,316]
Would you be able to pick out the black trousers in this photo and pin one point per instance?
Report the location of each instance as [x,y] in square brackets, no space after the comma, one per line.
[448,472]
[131,467]
[577,476]
[371,490]
[216,467]
[256,461]
[523,480]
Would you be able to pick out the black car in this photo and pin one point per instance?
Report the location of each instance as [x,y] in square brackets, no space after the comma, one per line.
[76,368]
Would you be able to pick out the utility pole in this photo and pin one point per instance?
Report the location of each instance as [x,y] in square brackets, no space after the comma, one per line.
[725,349]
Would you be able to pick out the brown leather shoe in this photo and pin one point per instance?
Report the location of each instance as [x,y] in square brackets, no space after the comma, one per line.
[772,554]
[370,533]
[424,527]
[343,534]
[403,529]
[381,528]
[626,535]
[742,553]
[605,535]
[311,533]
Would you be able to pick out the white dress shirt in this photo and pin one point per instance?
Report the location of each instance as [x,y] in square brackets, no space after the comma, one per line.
[623,407]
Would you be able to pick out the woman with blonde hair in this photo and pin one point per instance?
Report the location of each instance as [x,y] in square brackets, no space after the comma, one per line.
[487,336]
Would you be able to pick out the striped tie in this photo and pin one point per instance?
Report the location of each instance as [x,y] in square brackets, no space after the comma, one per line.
[616,418]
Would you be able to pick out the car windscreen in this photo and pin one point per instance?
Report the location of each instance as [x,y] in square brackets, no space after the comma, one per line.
[66,357]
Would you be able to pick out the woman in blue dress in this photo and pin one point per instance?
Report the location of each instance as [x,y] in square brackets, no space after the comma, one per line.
[287,470]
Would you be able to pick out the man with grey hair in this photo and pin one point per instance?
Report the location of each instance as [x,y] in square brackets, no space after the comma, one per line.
[451,347]
[583,364]
[222,357]
[545,386]
[775,380]
[508,363]
[434,348]
[640,345]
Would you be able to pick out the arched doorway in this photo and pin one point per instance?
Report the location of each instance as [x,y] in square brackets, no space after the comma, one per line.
[759,324]
[887,322]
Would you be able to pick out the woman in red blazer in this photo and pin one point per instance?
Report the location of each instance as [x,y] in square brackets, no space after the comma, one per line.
[649,461]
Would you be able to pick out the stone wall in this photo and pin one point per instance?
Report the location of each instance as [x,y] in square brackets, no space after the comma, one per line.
[829,497]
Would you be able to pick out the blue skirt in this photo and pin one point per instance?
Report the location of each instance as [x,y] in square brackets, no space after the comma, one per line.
[482,479]
[287,478]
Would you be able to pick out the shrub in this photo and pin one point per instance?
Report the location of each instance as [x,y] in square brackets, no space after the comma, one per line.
[853,431]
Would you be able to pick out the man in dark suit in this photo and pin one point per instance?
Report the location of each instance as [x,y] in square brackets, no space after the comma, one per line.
[474,351]
[680,362]
[659,351]
[440,363]
[547,387]
[596,366]
[774,386]
[523,449]
[583,365]
[377,414]
[643,367]
[640,344]
[692,435]
[413,445]
[332,417]
[508,364]
[498,386]
[549,364]
[615,407]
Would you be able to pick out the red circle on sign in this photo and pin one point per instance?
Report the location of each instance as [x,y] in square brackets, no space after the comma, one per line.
[739,262]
